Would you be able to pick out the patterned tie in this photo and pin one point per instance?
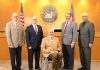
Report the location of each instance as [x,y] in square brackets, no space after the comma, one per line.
[65,27]
[52,43]
[36,31]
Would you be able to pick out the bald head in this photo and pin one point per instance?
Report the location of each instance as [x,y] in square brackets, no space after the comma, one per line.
[85,14]
[51,32]
[34,17]
[85,17]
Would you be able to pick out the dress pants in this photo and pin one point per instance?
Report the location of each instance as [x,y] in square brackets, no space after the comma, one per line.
[30,58]
[85,57]
[15,56]
[68,54]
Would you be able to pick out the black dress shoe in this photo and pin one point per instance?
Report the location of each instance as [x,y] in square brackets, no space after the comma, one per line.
[81,68]
[37,68]
[64,68]
[30,68]
[70,69]
[19,69]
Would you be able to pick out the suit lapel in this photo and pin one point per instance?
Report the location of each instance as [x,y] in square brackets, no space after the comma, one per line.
[63,26]
[13,25]
[68,26]
[38,28]
[32,28]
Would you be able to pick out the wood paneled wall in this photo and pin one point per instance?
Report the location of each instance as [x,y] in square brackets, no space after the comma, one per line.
[4,50]
[33,7]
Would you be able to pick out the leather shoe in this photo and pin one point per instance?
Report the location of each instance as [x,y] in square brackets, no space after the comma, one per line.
[81,68]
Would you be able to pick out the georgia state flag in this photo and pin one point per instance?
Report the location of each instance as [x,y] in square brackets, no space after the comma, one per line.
[71,13]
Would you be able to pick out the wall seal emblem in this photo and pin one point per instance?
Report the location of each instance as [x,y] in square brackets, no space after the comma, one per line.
[49,14]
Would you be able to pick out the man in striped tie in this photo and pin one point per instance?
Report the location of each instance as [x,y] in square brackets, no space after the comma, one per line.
[69,33]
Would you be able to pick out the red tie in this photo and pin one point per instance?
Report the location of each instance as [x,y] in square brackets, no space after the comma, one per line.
[65,27]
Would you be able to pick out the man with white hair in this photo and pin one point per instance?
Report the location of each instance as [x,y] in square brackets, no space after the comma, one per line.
[34,35]
[15,39]
[51,52]
[86,38]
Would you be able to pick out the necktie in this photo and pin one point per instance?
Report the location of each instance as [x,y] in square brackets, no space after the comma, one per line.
[36,29]
[52,43]
[65,27]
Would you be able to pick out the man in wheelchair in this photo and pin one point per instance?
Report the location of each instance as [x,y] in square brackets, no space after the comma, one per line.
[51,55]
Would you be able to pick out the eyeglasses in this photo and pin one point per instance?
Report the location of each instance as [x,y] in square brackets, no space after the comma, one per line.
[15,16]
[67,16]
[84,16]
[51,32]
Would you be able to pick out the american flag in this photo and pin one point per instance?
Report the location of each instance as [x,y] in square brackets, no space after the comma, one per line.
[71,12]
[22,15]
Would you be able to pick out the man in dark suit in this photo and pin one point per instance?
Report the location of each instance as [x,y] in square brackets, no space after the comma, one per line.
[69,33]
[86,37]
[34,35]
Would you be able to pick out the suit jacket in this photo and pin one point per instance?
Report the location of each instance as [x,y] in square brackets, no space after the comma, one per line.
[70,34]
[32,38]
[14,34]
[86,34]
[48,45]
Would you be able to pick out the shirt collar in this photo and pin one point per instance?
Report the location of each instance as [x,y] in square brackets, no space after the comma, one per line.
[68,21]
[50,37]
[16,23]
[34,25]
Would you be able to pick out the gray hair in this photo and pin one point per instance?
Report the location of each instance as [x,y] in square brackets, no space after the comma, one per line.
[85,14]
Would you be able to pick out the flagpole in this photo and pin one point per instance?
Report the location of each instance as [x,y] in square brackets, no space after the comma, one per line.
[70,3]
[21,7]
[71,11]
[21,13]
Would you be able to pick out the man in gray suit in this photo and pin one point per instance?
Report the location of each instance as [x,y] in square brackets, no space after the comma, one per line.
[15,39]
[69,33]
[86,37]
